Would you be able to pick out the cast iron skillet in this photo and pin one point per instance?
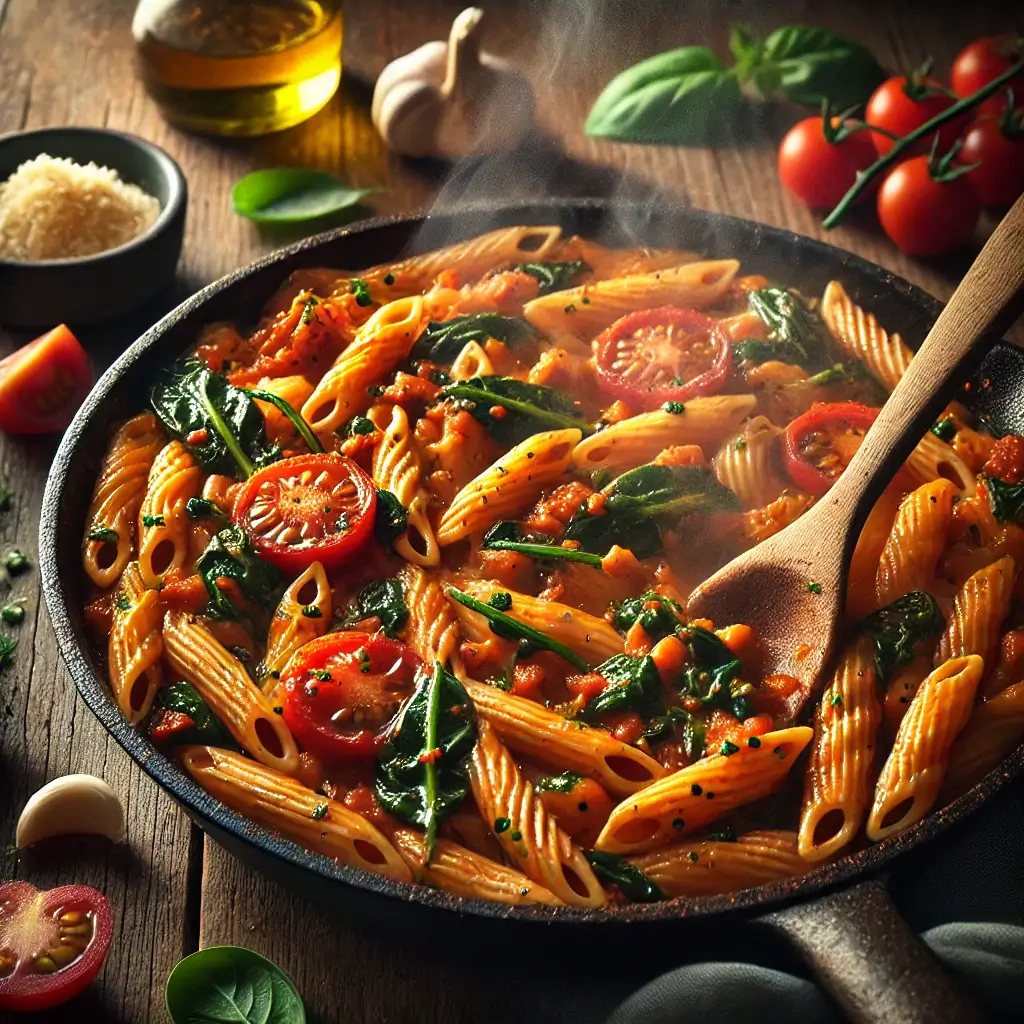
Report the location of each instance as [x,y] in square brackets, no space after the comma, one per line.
[838,931]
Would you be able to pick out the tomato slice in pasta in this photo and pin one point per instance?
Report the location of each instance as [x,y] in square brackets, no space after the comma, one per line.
[342,690]
[312,508]
[819,445]
[662,355]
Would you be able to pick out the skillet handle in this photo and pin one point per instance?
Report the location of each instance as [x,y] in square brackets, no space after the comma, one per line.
[865,955]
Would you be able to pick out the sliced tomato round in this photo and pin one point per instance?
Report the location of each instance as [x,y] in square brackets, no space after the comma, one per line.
[819,445]
[52,943]
[312,508]
[342,690]
[43,383]
[662,355]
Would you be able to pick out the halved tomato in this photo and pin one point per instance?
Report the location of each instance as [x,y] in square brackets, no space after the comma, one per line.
[43,383]
[312,508]
[662,355]
[341,691]
[52,944]
[819,445]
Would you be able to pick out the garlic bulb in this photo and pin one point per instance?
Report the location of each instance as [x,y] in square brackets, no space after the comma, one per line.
[449,100]
[71,805]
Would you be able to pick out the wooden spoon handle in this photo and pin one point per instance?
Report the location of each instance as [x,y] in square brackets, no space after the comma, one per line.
[984,305]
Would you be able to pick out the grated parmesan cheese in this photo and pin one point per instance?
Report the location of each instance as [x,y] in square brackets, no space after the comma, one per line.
[52,208]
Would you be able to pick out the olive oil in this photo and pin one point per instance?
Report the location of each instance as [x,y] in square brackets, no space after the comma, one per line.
[239,67]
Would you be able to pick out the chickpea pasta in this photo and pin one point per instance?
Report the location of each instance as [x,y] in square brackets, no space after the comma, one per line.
[401,575]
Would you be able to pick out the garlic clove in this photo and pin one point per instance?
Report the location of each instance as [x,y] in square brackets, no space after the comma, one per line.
[71,805]
[424,64]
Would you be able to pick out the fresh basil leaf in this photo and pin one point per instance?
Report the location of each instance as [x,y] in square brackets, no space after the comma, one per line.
[386,600]
[421,775]
[190,399]
[809,65]
[553,277]
[230,555]
[564,783]
[897,628]
[614,869]
[634,684]
[684,97]
[207,728]
[645,500]
[231,985]
[390,519]
[1007,500]
[291,195]
[659,616]
[442,340]
[529,408]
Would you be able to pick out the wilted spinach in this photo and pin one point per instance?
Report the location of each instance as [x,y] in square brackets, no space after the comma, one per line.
[384,599]
[614,869]
[390,519]
[553,277]
[634,684]
[183,698]
[797,334]
[230,555]
[658,616]
[293,416]
[896,629]
[710,671]
[443,340]
[1007,500]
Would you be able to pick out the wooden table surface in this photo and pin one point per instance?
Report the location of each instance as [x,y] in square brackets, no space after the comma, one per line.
[70,62]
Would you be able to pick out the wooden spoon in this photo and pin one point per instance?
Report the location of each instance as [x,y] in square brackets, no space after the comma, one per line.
[770,586]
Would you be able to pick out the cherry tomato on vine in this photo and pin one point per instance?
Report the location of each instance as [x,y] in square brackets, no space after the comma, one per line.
[926,214]
[983,60]
[901,104]
[311,508]
[997,143]
[52,944]
[819,445]
[341,691]
[819,170]
[662,355]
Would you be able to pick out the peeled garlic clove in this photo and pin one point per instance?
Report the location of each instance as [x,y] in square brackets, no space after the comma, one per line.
[71,805]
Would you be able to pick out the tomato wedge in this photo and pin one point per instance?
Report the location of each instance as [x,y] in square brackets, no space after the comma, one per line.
[341,691]
[662,355]
[52,944]
[818,445]
[43,383]
[312,508]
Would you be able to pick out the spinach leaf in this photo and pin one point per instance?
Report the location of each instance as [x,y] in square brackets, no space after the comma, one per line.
[554,552]
[225,424]
[294,417]
[421,775]
[644,501]
[508,628]
[386,600]
[614,869]
[390,519]
[659,616]
[230,555]
[183,698]
[564,783]
[529,408]
[1007,500]
[634,684]
[897,627]
[443,340]
[292,195]
[231,984]
[797,332]
[661,726]
[684,97]
[710,671]
[553,277]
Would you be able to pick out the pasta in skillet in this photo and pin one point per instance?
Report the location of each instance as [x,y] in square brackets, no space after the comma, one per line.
[401,574]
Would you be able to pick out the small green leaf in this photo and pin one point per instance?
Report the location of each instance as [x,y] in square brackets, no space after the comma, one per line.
[386,600]
[1007,500]
[613,869]
[898,627]
[231,985]
[291,195]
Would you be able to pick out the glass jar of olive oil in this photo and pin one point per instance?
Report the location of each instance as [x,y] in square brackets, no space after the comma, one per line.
[239,67]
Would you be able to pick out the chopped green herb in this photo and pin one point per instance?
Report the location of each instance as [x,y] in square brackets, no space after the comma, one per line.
[814,588]
[7,648]
[361,290]
[676,408]
[778,752]
[202,508]
[724,835]
[945,429]
[322,674]
[516,836]
[121,603]
[152,520]
[678,823]
[15,562]
[753,741]
[312,612]
[836,701]
[696,790]
[740,445]
[569,309]
[728,748]
[501,600]
[319,812]
[103,534]
[389,278]
[501,825]
[13,614]
[693,856]
[564,783]
[613,869]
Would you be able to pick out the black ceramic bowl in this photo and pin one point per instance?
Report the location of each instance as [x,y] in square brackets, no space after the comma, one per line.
[119,394]
[101,287]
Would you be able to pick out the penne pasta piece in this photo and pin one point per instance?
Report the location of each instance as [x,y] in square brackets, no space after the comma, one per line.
[472,361]
[303,613]
[707,867]
[528,834]
[591,307]
[933,459]
[531,729]
[748,464]
[707,422]
[593,638]
[163,524]
[885,356]
[912,776]
[462,872]
[604,262]
[121,486]
[135,646]
[221,680]
[510,486]
[979,609]
[277,802]
[433,627]
[837,784]
[379,346]
[397,468]
[693,797]
[905,683]
[917,541]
